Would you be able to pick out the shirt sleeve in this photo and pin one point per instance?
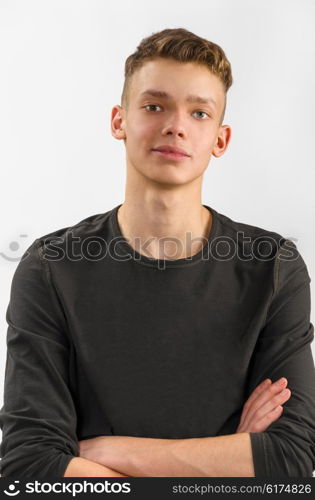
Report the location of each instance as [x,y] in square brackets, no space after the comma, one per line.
[38,417]
[287,447]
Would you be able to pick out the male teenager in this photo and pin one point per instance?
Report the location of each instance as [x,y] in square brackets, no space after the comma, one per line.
[157,339]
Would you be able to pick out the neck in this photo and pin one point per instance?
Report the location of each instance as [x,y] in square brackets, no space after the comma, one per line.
[164,224]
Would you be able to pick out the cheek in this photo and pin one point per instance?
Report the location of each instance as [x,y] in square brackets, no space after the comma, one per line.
[142,135]
[206,143]
[139,131]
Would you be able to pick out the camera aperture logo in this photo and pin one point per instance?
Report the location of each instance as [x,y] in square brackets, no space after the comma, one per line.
[72,488]
[12,490]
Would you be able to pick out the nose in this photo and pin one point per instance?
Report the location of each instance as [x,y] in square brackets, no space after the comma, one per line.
[174,126]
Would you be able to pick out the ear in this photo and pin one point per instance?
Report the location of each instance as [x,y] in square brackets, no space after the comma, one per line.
[118,122]
[222,142]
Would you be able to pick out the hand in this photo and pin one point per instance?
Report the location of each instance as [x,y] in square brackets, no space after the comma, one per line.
[264,406]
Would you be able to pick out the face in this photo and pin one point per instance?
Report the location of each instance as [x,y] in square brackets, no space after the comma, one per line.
[172,104]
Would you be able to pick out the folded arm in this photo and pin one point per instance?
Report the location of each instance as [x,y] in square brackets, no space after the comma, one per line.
[283,348]
[81,467]
[38,417]
[223,456]
[220,456]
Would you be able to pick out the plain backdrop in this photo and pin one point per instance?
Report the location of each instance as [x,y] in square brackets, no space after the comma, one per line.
[62,63]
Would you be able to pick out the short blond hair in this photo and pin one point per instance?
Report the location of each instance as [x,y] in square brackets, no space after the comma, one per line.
[180,45]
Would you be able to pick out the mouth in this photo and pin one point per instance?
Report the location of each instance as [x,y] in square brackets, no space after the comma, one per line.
[171,153]
[170,156]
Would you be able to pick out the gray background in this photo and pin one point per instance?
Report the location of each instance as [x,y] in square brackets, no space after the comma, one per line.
[62,71]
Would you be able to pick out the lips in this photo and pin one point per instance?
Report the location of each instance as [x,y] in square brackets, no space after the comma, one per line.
[171,149]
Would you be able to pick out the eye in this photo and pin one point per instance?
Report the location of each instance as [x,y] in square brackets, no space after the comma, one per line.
[204,113]
[151,106]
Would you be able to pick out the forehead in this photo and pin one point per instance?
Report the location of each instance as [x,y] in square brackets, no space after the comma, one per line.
[173,78]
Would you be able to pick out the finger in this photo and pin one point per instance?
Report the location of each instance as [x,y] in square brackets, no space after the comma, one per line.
[267,394]
[268,419]
[264,423]
[278,399]
[263,398]
[259,389]
[264,410]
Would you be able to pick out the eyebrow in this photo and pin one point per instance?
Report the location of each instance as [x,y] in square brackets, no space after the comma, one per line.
[190,98]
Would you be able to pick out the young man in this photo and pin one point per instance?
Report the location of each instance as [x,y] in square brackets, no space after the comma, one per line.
[144,341]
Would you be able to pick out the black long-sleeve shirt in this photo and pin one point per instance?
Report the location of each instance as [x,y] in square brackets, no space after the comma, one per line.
[103,340]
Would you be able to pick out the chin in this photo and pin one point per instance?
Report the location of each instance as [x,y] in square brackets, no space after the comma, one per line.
[167,175]
[169,179]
